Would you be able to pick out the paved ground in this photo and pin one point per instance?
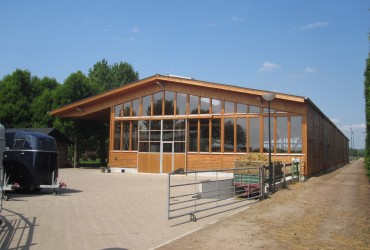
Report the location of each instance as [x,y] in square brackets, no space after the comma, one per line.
[96,211]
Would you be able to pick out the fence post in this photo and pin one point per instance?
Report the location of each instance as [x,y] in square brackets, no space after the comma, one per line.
[273,177]
[262,180]
[284,177]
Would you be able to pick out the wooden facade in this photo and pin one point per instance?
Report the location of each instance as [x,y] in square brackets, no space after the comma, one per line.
[163,123]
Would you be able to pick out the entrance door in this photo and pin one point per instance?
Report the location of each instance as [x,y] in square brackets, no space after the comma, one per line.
[167,159]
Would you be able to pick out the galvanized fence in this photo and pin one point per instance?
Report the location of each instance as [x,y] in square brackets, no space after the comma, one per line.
[283,174]
[213,191]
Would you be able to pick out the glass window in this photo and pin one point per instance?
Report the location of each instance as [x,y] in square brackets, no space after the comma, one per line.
[126,136]
[254,110]
[282,135]
[169,104]
[179,147]
[179,124]
[168,135]
[216,106]
[193,105]
[204,105]
[144,146]
[193,135]
[118,110]
[266,134]
[254,135]
[181,104]
[155,147]
[179,135]
[144,125]
[126,109]
[117,136]
[155,135]
[296,134]
[229,107]
[157,103]
[136,107]
[241,108]
[241,135]
[167,147]
[167,124]
[204,135]
[155,125]
[147,106]
[216,135]
[229,135]
[134,143]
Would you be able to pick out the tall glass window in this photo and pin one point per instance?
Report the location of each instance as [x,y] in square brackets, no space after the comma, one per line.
[147,105]
[136,107]
[169,105]
[204,105]
[181,104]
[241,108]
[134,134]
[254,135]
[266,134]
[282,135]
[229,135]
[216,135]
[241,135]
[157,103]
[204,135]
[126,136]
[117,136]
[229,107]
[216,106]
[254,110]
[296,134]
[118,110]
[193,105]
[126,109]
[193,135]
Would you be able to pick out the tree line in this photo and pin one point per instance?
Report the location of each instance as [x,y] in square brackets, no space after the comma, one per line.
[367,114]
[25,101]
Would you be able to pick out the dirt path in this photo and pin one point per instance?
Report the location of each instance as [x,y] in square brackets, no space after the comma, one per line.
[327,212]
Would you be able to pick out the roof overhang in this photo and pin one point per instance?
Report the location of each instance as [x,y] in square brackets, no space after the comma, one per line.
[98,107]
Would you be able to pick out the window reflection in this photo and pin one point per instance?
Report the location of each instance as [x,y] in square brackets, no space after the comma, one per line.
[241,135]
[169,105]
[193,105]
[254,135]
[296,134]
[181,104]
[147,106]
[216,106]
[282,135]
[229,107]
[229,135]
[204,105]
[157,103]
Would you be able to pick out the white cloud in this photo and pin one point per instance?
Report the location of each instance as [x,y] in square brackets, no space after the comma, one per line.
[135,30]
[269,66]
[237,18]
[353,127]
[310,70]
[314,25]
[335,120]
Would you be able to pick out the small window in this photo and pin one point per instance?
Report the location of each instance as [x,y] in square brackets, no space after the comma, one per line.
[216,106]
[241,108]
[229,107]
[193,105]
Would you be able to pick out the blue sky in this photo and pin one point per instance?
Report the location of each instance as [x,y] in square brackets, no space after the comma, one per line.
[316,48]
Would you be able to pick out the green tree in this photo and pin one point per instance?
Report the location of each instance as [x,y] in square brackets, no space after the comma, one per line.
[76,87]
[15,99]
[367,113]
[109,77]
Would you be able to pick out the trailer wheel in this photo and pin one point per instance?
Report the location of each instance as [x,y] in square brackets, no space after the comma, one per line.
[6,196]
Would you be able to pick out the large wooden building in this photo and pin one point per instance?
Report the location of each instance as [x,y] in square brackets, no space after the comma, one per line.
[162,123]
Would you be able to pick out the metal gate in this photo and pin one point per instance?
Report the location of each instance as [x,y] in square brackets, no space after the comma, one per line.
[207,192]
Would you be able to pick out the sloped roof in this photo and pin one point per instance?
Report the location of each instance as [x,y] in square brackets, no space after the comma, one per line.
[59,137]
[76,109]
